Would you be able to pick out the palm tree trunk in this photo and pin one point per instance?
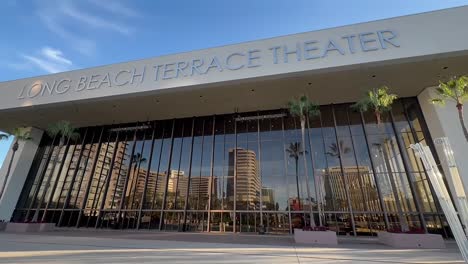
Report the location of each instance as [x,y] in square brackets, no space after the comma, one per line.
[312,221]
[297,182]
[14,148]
[378,117]
[462,121]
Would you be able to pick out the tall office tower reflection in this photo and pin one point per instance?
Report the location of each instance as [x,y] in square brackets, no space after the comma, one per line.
[268,198]
[247,189]
[362,191]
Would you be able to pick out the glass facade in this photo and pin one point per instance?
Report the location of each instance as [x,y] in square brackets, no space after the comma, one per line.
[238,172]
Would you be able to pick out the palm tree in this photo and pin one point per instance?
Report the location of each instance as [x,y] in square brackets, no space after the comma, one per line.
[65,131]
[335,149]
[303,108]
[20,134]
[294,150]
[138,159]
[377,100]
[456,89]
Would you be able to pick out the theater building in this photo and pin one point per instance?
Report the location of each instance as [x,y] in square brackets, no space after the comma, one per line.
[202,141]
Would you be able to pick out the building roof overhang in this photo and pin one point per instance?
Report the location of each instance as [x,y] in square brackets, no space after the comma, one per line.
[331,66]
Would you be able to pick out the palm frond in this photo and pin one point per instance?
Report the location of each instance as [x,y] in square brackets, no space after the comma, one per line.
[377,99]
[63,129]
[303,107]
[4,136]
[455,89]
[21,133]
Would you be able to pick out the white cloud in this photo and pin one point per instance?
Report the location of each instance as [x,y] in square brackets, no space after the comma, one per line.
[83,45]
[116,8]
[49,60]
[94,21]
[55,55]
[75,21]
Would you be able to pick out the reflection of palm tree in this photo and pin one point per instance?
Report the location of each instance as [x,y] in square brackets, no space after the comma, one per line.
[138,159]
[295,150]
[335,149]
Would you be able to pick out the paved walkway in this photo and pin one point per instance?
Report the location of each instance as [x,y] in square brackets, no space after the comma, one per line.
[159,247]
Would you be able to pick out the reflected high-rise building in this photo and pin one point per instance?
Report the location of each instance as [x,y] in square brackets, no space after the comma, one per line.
[268,199]
[361,188]
[247,184]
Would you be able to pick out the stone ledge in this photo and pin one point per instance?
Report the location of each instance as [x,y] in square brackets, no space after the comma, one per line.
[315,237]
[29,227]
[404,240]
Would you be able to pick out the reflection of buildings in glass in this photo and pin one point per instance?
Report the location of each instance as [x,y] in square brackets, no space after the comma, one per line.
[362,190]
[101,173]
[268,199]
[176,185]
[389,166]
[248,188]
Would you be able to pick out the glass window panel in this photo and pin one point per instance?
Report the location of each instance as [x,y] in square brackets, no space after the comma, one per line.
[273,194]
[248,185]
[161,181]
[341,116]
[193,202]
[85,163]
[61,178]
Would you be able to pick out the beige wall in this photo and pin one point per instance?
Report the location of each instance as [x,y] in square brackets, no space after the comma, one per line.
[443,121]
[19,171]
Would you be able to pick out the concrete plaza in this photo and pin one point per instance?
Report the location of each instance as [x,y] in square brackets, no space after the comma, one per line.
[69,246]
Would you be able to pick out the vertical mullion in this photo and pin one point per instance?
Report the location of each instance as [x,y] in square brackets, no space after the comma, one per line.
[415,138]
[98,179]
[66,175]
[167,176]
[137,176]
[119,171]
[361,186]
[159,166]
[47,183]
[52,190]
[143,195]
[124,189]
[376,179]
[107,180]
[235,179]
[189,177]
[259,168]
[200,168]
[83,173]
[364,194]
[409,174]
[42,173]
[344,175]
[178,167]
[285,169]
[88,186]
[210,182]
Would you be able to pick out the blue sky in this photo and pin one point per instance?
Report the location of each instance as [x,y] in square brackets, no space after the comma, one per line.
[48,36]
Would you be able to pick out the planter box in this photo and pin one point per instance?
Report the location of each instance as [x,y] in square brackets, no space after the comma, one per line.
[402,240]
[315,237]
[29,227]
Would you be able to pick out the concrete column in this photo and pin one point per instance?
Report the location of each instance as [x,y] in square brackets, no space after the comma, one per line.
[19,171]
[443,121]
